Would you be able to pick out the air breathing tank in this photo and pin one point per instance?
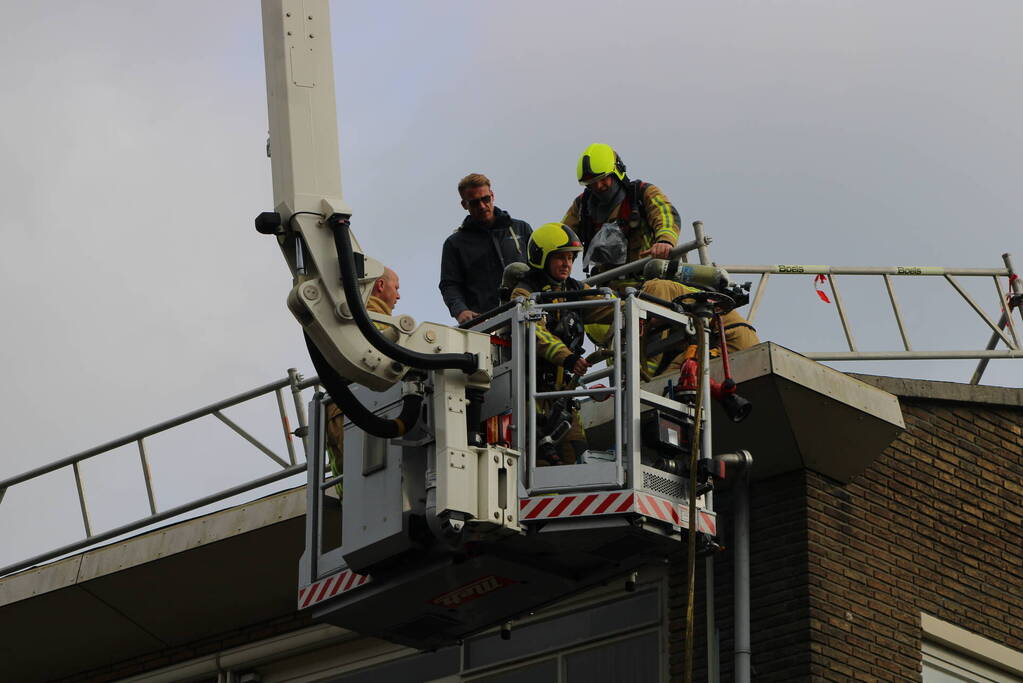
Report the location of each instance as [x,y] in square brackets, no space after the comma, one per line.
[687,273]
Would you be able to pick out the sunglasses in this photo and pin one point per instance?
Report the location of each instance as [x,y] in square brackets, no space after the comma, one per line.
[480,201]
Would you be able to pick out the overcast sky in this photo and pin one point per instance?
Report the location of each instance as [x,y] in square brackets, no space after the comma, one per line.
[134,287]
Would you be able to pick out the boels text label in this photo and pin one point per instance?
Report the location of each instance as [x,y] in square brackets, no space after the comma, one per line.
[472,591]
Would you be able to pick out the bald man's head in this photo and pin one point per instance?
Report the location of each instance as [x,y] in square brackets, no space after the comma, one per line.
[386,288]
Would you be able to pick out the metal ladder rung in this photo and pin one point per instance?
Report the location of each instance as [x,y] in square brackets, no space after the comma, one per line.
[650,398]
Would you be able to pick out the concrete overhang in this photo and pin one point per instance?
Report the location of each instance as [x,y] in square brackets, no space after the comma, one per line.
[158,590]
[805,415]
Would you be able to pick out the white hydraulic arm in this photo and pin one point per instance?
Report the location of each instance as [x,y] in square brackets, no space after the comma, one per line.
[310,213]
[333,278]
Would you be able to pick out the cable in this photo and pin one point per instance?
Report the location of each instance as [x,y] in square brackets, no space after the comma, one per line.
[691,545]
[291,219]
[354,410]
[466,362]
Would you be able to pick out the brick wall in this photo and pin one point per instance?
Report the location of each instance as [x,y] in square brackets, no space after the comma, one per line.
[933,526]
[841,573]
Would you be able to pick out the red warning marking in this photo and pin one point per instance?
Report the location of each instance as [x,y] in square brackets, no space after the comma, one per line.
[672,512]
[606,503]
[323,591]
[626,504]
[583,505]
[642,508]
[539,508]
[565,502]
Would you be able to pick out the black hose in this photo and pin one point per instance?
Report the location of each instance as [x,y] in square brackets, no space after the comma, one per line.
[466,362]
[670,305]
[569,295]
[353,409]
[487,315]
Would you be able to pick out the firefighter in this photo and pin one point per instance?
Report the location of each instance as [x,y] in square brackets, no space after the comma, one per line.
[382,299]
[551,252]
[620,220]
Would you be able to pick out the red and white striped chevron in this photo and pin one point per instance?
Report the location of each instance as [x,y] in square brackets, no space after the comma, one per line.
[323,589]
[613,503]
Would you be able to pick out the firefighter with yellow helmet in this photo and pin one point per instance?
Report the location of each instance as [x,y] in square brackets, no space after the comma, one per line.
[551,253]
[620,220]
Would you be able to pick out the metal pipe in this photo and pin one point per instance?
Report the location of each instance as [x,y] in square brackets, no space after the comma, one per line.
[761,286]
[896,311]
[289,441]
[713,665]
[586,303]
[531,396]
[1005,302]
[910,271]
[911,355]
[598,374]
[599,391]
[520,392]
[616,370]
[81,500]
[702,409]
[638,265]
[327,483]
[152,519]
[841,313]
[295,380]
[1014,283]
[702,242]
[742,584]
[248,437]
[147,475]
[149,431]
[979,311]
[1015,290]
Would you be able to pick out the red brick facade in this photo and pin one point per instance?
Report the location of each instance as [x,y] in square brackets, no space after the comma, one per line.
[841,573]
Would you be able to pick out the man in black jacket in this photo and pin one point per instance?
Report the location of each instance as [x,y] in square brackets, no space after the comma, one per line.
[474,257]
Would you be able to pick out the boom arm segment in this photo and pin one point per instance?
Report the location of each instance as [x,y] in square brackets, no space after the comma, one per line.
[311,212]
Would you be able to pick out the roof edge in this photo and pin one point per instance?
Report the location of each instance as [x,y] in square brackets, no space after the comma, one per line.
[905,387]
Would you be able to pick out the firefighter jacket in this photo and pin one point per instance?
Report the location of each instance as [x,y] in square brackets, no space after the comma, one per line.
[474,257]
[560,335]
[645,214]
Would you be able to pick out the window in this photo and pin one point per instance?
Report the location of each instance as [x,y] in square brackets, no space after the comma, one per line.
[955,655]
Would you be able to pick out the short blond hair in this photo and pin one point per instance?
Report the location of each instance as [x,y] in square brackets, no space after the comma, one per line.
[473,180]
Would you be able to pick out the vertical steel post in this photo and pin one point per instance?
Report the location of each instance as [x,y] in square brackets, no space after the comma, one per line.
[713,665]
[761,287]
[841,312]
[896,310]
[531,397]
[1014,282]
[147,475]
[631,446]
[616,374]
[81,500]
[742,586]
[288,439]
[701,247]
[296,393]
[1005,303]
[520,392]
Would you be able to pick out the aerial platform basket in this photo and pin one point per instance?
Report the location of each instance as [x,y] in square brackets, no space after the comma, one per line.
[562,528]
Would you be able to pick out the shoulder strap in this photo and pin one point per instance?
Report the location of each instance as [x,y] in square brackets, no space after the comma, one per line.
[584,211]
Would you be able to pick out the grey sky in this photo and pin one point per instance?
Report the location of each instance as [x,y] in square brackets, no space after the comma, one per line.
[134,287]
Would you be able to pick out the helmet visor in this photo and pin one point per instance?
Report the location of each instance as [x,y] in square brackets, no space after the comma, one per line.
[589,180]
